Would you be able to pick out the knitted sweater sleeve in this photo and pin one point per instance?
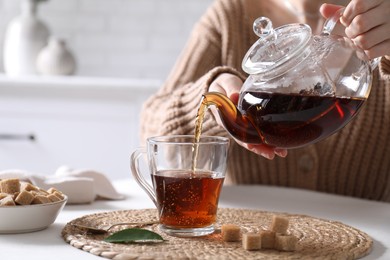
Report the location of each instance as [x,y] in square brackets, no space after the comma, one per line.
[172,110]
[384,68]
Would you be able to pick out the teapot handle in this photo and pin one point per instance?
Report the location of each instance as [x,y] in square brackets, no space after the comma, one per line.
[330,25]
[331,22]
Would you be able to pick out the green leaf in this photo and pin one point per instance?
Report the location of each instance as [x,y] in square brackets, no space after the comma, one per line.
[134,235]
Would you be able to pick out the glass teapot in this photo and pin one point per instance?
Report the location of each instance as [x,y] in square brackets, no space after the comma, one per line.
[301,87]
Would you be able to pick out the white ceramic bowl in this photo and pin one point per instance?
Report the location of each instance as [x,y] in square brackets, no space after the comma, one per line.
[23,219]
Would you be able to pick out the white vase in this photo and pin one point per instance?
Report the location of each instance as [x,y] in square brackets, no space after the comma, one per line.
[56,59]
[25,36]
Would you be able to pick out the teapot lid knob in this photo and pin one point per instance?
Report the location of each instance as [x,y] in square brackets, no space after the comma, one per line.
[262,27]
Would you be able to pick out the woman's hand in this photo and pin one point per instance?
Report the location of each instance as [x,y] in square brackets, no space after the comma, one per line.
[230,85]
[367,24]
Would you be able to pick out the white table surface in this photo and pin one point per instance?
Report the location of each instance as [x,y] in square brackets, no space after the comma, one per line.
[368,216]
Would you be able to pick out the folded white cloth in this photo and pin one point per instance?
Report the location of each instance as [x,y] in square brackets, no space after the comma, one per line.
[81,186]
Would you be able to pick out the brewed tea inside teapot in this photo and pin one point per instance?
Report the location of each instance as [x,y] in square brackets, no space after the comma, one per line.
[301,87]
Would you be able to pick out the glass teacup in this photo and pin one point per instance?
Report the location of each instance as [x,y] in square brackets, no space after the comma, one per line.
[185,188]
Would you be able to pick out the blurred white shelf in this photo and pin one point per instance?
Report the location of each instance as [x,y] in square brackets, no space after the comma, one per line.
[75,85]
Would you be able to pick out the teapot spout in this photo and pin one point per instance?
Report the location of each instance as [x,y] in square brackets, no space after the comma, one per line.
[238,125]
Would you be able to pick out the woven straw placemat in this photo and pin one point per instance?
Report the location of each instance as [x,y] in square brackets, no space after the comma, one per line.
[318,238]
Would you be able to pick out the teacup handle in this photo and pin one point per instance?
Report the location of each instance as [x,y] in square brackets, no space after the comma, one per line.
[135,169]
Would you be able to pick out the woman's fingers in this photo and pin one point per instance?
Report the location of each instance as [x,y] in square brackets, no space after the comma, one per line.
[379,50]
[367,24]
[265,150]
[227,84]
[281,152]
[356,7]
[364,22]
[373,42]
[328,10]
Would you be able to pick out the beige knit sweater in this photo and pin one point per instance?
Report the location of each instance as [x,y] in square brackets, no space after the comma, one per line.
[353,162]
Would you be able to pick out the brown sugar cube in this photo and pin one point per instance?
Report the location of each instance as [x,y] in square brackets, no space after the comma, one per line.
[27,186]
[10,186]
[35,192]
[52,190]
[7,201]
[40,199]
[230,232]
[285,242]
[15,195]
[58,195]
[24,198]
[267,239]
[3,195]
[251,241]
[39,192]
[53,198]
[279,224]
[42,191]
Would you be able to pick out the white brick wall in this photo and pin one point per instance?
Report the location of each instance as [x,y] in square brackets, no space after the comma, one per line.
[117,38]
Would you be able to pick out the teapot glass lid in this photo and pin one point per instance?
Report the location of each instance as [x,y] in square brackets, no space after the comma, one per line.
[277,48]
